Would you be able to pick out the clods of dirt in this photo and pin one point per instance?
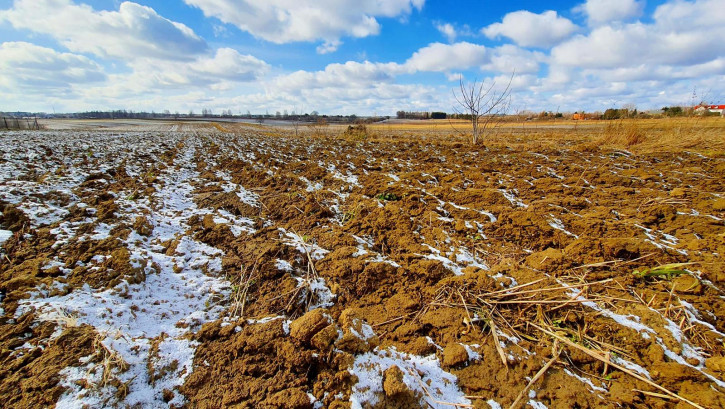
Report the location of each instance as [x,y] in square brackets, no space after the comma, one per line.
[252,270]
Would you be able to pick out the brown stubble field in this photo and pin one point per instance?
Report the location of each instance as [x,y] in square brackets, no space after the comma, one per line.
[205,265]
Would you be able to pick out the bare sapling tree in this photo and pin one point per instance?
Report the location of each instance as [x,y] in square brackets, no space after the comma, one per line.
[484,104]
[296,121]
[296,124]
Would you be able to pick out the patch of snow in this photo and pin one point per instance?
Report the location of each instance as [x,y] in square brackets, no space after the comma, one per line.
[465,257]
[584,380]
[299,243]
[265,319]
[5,235]
[379,258]
[472,354]
[447,263]
[311,187]
[631,366]
[630,321]
[559,225]
[666,242]
[694,317]
[536,404]
[243,194]
[430,341]
[284,265]
[493,404]
[174,299]
[490,215]
[513,199]
[365,247]
[349,178]
[689,352]
[322,297]
[417,372]
[365,328]
[101,232]
[237,224]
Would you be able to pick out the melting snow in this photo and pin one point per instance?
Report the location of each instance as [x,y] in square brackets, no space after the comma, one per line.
[365,328]
[322,297]
[513,199]
[4,236]
[559,225]
[665,242]
[585,380]
[173,300]
[631,366]
[299,243]
[417,371]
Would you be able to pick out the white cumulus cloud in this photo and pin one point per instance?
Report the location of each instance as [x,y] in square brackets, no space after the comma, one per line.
[448,31]
[509,58]
[698,14]
[286,21]
[604,11]
[351,74]
[528,29]
[28,65]
[225,66]
[134,31]
[681,35]
[438,57]
[229,64]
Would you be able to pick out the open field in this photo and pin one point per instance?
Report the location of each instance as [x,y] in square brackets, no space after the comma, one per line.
[205,265]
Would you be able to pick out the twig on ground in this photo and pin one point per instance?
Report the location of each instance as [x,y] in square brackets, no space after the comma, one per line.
[499,349]
[556,351]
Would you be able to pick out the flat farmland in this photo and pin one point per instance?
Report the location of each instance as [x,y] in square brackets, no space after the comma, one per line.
[206,265]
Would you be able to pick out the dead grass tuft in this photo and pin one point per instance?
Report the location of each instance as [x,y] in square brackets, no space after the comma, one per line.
[110,363]
[240,289]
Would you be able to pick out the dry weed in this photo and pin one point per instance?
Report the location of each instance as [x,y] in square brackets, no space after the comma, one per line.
[240,289]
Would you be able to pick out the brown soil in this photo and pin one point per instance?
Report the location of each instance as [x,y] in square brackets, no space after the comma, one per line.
[619,211]
[30,375]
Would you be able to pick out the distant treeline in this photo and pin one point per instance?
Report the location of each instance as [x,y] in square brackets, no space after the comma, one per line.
[312,117]
[420,115]
[207,113]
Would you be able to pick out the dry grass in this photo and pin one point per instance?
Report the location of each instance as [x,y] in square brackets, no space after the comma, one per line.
[110,363]
[220,128]
[240,289]
[537,311]
[638,135]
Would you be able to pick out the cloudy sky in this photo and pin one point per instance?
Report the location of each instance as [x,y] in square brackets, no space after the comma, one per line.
[356,56]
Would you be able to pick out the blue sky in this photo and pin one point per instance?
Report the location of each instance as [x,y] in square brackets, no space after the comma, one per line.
[356,56]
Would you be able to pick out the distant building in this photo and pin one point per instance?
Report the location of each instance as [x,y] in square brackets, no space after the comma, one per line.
[720,109]
[582,116]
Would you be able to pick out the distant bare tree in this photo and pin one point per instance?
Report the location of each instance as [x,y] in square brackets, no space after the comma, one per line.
[296,123]
[485,105]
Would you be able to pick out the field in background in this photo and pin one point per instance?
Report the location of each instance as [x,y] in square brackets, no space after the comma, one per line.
[640,135]
[214,264]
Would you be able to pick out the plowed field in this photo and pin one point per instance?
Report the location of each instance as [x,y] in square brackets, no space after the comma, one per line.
[202,268]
